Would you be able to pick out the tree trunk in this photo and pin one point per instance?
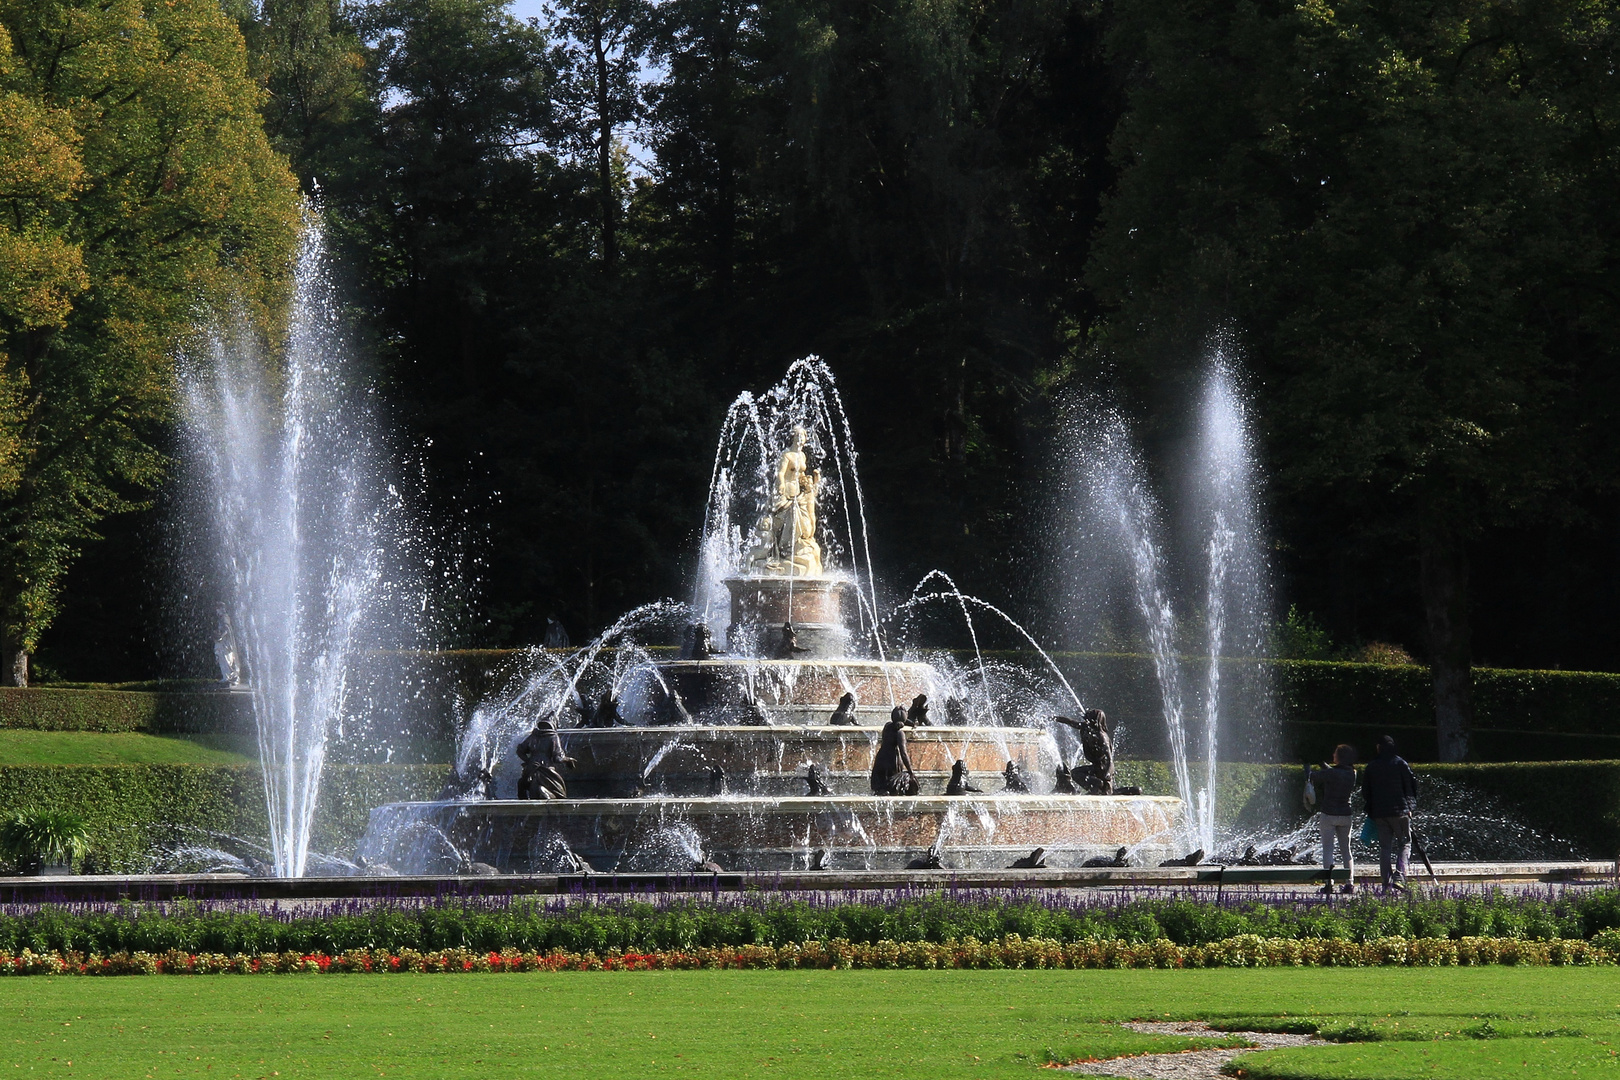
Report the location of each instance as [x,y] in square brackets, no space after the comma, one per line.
[590,556]
[1444,571]
[604,149]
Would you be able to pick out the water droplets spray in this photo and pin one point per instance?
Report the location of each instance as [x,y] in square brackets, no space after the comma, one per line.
[1118,545]
[305,518]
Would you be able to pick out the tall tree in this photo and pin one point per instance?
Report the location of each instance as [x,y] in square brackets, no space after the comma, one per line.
[175,198]
[41,264]
[894,163]
[704,125]
[460,167]
[319,105]
[1405,209]
[597,59]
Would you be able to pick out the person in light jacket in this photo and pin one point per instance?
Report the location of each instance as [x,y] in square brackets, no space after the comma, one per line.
[1390,788]
[1334,785]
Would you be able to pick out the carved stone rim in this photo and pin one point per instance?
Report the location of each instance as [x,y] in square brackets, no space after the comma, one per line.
[752,804]
[936,732]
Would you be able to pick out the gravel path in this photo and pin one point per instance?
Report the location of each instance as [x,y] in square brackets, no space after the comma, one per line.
[1188,1064]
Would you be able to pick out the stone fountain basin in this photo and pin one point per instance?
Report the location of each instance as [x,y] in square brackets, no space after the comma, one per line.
[773,760]
[752,833]
[722,681]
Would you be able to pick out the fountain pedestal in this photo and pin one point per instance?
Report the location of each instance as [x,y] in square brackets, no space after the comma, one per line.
[856,832]
[817,607]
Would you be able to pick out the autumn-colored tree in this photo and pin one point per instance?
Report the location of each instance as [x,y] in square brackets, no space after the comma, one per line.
[139,188]
[41,269]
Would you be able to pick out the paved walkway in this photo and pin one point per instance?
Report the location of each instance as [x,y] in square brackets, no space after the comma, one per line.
[1187,1064]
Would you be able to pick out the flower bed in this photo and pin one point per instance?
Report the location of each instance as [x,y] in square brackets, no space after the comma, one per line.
[620,924]
[1245,951]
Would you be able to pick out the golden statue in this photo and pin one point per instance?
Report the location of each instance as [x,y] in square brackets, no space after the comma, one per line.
[786,533]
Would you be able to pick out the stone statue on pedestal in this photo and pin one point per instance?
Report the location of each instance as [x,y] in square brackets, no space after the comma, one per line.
[786,533]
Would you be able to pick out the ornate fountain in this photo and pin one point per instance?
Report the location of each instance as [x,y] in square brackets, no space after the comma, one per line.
[760,756]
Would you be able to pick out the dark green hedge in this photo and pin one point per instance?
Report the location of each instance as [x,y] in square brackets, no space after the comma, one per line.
[1575,702]
[46,708]
[1316,704]
[1315,742]
[1576,800]
[130,809]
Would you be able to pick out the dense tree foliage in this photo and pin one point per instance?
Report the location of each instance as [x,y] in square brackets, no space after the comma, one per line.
[572,271]
[574,240]
[1407,209]
[137,181]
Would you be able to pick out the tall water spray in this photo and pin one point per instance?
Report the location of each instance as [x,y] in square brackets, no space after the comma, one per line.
[1121,527]
[1120,547]
[304,517]
[1237,596]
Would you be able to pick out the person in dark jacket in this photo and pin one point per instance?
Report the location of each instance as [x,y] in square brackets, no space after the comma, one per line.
[1390,789]
[1334,785]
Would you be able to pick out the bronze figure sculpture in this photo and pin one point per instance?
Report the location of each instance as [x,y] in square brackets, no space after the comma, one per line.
[699,644]
[542,755]
[1064,784]
[917,715]
[788,646]
[606,713]
[1035,860]
[844,715]
[816,782]
[1096,777]
[1118,859]
[892,773]
[959,784]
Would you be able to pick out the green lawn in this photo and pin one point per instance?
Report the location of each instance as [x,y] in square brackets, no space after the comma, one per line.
[795,1024]
[28,747]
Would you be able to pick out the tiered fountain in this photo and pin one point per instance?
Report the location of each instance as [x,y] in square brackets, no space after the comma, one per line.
[705,760]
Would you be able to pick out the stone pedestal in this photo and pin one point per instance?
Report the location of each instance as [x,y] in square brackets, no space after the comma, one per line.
[866,832]
[818,608]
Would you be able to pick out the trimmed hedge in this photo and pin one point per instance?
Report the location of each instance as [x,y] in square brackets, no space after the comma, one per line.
[44,708]
[1318,703]
[131,809]
[1508,700]
[1576,800]
[1315,742]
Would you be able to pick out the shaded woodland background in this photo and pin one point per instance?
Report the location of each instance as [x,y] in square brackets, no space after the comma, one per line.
[570,245]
